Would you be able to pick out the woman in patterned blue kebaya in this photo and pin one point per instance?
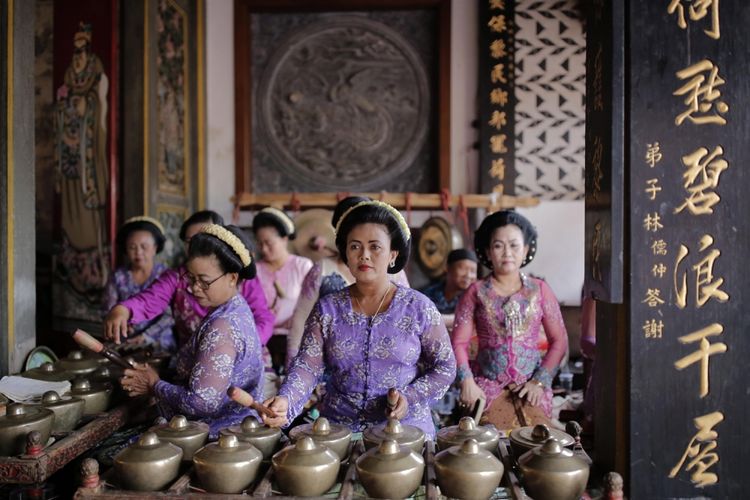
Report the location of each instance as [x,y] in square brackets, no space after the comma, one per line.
[225,351]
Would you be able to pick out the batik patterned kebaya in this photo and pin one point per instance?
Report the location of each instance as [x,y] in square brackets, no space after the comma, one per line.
[509,331]
[225,351]
[406,347]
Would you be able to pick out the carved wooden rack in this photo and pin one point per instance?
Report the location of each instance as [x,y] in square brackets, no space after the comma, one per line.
[37,468]
[413,201]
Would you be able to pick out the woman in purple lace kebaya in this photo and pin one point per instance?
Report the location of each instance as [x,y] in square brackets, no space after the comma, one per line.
[172,290]
[328,275]
[508,310]
[139,240]
[225,351]
[370,336]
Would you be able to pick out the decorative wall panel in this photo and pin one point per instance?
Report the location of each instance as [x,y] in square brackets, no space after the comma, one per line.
[497,97]
[85,83]
[172,217]
[172,98]
[550,85]
[162,136]
[344,101]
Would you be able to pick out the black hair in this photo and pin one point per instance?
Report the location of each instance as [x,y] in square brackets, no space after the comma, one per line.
[483,234]
[375,215]
[205,245]
[129,228]
[200,217]
[461,254]
[344,205]
[267,219]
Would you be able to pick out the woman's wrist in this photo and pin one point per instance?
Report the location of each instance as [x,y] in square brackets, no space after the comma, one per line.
[121,310]
[463,373]
[543,377]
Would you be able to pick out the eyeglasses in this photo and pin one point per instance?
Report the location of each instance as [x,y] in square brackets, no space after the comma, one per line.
[203,285]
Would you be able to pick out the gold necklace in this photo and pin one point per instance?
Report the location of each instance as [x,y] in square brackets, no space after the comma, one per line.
[382,300]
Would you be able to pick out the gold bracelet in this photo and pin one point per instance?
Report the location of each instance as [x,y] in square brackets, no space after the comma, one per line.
[537,383]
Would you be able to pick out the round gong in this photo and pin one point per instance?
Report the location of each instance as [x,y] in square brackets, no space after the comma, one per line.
[436,240]
[309,226]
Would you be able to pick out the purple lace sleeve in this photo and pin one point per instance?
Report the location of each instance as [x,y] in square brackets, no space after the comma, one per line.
[437,361]
[306,367]
[307,299]
[209,378]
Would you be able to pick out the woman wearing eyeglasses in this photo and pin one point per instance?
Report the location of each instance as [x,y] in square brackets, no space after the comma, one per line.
[172,290]
[225,350]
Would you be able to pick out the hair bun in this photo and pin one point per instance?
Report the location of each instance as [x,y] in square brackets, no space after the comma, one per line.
[248,272]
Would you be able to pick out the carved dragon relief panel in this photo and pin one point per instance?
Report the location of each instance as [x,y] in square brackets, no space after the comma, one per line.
[344,103]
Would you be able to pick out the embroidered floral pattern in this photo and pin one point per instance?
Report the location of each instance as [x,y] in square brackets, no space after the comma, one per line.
[509,331]
[225,351]
[364,364]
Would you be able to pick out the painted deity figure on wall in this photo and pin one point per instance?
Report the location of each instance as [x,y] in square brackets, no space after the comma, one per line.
[81,181]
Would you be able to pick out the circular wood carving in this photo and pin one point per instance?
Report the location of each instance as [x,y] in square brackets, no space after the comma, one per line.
[344,104]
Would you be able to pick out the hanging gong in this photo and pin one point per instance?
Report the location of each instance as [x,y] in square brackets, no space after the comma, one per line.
[437,238]
[314,238]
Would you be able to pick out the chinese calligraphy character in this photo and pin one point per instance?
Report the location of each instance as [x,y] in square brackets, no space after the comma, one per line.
[698,11]
[499,96]
[700,450]
[706,286]
[598,83]
[651,222]
[708,169]
[705,350]
[700,96]
[497,4]
[497,49]
[658,270]
[499,189]
[653,154]
[659,247]
[653,298]
[497,143]
[596,270]
[498,169]
[497,74]
[596,162]
[653,329]
[497,24]
[498,120]
[652,188]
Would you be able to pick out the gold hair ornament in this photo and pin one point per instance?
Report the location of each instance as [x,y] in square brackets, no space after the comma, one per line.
[146,218]
[230,239]
[395,213]
[279,214]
